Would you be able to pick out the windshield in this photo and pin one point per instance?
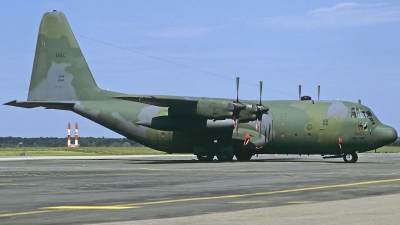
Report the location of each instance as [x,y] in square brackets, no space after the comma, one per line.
[360,113]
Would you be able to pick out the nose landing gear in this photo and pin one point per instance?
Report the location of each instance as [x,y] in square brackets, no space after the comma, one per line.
[350,157]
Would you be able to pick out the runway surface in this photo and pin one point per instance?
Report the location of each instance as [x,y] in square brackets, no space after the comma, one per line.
[180,190]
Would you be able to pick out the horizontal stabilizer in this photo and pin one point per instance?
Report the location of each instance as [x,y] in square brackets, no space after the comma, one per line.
[46,104]
[162,101]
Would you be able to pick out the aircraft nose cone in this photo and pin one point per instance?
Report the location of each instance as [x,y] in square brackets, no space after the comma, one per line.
[385,134]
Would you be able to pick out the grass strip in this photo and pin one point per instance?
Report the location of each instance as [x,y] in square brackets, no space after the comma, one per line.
[90,151]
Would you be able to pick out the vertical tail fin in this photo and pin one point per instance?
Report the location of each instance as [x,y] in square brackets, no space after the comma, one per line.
[60,72]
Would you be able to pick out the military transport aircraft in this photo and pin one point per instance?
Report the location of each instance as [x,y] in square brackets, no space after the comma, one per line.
[206,127]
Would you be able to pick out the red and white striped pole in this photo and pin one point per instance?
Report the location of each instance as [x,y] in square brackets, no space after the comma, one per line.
[69,135]
[76,135]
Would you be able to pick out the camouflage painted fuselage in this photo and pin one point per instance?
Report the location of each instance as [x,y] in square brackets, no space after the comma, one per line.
[62,80]
[298,127]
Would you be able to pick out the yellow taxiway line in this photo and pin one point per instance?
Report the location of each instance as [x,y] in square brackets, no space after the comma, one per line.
[264,193]
[139,204]
[94,207]
[26,213]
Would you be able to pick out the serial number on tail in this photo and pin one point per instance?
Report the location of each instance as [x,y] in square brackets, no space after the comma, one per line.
[60,55]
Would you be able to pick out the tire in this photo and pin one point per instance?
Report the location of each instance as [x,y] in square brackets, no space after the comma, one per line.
[205,158]
[225,158]
[243,157]
[350,157]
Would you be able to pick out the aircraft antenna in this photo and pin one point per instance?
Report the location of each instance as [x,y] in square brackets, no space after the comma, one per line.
[172,62]
[237,100]
[260,117]
[299,92]
[261,84]
[237,89]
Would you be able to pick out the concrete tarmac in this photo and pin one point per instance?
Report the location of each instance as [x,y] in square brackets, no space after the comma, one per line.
[370,210]
[178,189]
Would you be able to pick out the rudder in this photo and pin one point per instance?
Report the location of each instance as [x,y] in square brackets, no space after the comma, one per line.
[60,72]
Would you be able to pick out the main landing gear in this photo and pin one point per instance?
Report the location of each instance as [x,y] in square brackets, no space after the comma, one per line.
[209,158]
[243,157]
[224,158]
[205,158]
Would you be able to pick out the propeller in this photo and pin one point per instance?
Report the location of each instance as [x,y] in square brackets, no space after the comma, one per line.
[259,110]
[236,107]
[319,91]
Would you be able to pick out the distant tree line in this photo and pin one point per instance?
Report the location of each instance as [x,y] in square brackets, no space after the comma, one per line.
[62,142]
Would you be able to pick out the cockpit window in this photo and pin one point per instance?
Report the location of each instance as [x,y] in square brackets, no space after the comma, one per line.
[360,113]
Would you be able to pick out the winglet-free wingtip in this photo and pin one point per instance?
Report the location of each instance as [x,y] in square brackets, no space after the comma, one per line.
[11,103]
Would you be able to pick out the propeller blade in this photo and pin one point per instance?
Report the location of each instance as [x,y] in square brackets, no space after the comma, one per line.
[319,91]
[237,127]
[299,92]
[261,84]
[237,89]
[269,131]
[265,135]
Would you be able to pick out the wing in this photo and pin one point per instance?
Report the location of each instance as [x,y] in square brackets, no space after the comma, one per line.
[45,104]
[162,101]
[210,108]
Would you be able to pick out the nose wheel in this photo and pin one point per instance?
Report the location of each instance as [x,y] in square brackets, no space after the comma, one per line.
[350,157]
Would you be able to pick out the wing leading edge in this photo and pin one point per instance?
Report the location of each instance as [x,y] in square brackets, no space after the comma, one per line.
[162,101]
[45,104]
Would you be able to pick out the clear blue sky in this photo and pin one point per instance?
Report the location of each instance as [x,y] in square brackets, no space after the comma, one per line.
[351,49]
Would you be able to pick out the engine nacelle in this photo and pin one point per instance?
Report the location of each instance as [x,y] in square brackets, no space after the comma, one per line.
[212,109]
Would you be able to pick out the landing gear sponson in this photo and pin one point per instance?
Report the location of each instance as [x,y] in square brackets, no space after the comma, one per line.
[243,157]
[347,157]
[224,158]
